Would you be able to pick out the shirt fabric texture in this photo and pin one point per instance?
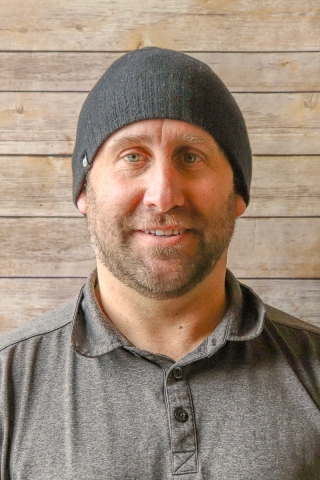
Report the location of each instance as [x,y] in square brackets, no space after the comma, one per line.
[79,401]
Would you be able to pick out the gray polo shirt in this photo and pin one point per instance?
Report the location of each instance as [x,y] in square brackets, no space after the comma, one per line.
[79,401]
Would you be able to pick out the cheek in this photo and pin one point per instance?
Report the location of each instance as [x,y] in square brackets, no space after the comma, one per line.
[119,197]
[211,193]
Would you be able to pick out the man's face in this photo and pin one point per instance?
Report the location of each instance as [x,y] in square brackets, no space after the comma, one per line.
[160,206]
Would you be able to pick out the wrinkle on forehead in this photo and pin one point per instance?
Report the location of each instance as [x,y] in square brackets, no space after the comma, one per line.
[159,131]
[131,139]
[150,138]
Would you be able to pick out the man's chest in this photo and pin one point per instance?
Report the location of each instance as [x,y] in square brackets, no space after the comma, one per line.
[142,423]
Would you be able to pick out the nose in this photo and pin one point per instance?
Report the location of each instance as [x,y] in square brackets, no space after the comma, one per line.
[163,188]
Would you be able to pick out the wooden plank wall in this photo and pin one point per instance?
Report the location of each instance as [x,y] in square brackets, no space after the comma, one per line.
[52,53]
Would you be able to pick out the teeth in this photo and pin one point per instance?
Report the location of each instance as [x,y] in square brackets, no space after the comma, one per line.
[161,233]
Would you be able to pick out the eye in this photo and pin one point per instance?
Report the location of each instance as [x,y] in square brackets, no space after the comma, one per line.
[190,157]
[133,157]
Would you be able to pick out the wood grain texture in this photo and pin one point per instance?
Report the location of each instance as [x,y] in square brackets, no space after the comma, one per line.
[276,247]
[300,298]
[45,123]
[55,247]
[240,71]
[285,186]
[201,25]
[58,247]
[36,186]
[41,186]
[23,299]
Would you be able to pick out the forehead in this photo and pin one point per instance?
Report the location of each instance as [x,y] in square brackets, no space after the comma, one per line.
[161,131]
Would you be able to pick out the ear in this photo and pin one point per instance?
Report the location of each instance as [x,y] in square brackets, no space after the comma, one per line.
[82,202]
[240,206]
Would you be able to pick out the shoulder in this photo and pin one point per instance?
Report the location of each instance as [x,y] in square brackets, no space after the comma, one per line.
[300,339]
[288,321]
[289,334]
[42,326]
[298,343]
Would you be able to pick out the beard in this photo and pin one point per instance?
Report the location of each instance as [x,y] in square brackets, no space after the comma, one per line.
[159,272]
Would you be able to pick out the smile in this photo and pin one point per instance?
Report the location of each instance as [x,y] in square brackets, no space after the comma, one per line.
[161,233]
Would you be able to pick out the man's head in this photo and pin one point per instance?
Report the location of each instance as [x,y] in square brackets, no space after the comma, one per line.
[154,83]
[165,144]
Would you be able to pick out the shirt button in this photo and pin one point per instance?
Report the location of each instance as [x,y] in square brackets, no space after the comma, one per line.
[177,373]
[181,415]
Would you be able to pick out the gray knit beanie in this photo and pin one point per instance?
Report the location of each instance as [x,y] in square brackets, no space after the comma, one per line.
[156,83]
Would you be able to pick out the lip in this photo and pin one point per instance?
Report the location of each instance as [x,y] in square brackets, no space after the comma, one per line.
[166,239]
[163,227]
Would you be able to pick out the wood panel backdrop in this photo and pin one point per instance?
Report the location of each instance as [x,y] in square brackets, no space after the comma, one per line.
[52,53]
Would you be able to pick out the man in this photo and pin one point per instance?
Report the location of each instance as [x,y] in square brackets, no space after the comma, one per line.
[165,366]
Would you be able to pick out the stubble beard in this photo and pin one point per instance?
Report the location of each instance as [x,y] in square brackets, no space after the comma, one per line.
[112,246]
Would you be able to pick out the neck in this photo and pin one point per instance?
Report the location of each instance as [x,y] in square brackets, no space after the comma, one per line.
[172,327]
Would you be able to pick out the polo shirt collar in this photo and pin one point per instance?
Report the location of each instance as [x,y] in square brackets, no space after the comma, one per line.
[93,334]
[247,311]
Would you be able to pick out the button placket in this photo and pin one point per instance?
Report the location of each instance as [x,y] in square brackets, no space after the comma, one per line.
[182,427]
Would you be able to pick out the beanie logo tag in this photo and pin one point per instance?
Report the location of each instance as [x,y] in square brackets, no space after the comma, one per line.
[84,160]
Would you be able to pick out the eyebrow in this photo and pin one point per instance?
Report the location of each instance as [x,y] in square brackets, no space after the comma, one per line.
[123,141]
[191,138]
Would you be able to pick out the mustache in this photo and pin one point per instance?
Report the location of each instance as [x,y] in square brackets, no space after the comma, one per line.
[180,220]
